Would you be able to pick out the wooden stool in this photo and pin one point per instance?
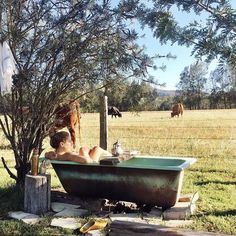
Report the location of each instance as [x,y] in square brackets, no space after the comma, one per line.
[37,195]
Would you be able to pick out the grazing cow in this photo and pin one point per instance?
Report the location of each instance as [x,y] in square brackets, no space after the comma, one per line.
[67,115]
[177,110]
[114,111]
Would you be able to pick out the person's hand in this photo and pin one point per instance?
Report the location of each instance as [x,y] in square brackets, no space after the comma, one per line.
[51,155]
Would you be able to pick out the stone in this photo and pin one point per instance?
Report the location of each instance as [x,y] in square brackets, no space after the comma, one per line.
[59,206]
[68,223]
[154,216]
[180,211]
[155,212]
[132,217]
[95,233]
[25,217]
[71,212]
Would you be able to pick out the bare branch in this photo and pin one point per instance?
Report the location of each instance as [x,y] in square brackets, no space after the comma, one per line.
[8,170]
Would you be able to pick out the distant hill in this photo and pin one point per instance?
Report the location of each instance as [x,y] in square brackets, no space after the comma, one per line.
[166,93]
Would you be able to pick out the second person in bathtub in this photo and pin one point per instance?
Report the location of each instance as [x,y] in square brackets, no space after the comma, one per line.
[63,146]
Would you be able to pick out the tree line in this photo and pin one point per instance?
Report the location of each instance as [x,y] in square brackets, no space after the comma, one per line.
[195,90]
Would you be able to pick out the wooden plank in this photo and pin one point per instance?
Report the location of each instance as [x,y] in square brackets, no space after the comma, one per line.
[191,197]
[124,228]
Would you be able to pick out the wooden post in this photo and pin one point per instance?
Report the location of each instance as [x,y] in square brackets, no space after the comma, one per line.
[103,122]
[37,197]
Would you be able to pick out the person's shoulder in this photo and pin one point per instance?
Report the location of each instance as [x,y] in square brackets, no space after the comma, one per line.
[51,155]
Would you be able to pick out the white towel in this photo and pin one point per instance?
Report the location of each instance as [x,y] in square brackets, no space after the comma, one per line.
[7,68]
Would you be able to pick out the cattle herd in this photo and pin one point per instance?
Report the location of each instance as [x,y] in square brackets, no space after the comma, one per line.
[68,115]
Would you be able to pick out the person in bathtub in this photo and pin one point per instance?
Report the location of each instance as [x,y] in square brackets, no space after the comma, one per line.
[63,145]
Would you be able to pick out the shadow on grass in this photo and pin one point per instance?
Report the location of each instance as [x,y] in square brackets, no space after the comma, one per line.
[219,213]
[11,198]
[215,182]
[209,170]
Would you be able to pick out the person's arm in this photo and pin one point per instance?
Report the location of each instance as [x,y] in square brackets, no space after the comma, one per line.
[70,156]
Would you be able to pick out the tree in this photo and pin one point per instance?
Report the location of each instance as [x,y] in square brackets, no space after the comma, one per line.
[213,39]
[191,85]
[222,86]
[59,46]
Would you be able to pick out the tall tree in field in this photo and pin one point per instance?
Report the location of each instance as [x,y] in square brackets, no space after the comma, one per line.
[222,86]
[192,83]
[59,46]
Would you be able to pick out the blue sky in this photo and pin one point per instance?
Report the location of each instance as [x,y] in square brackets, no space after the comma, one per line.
[173,66]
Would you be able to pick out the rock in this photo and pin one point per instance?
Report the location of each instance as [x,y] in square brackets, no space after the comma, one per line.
[59,206]
[132,217]
[71,212]
[180,211]
[154,216]
[68,223]
[25,217]
[155,212]
[95,233]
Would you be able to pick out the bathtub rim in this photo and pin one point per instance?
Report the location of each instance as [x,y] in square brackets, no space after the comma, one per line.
[187,161]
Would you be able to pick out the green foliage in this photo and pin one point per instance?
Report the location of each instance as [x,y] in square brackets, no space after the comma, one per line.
[212,39]
[191,85]
[222,87]
[127,96]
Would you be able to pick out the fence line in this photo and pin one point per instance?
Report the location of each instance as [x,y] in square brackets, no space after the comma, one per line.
[174,127]
[146,137]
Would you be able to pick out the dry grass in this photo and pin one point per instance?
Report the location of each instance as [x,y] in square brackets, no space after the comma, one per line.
[197,133]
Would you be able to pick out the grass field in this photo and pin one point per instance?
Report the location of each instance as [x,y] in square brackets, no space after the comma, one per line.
[208,135]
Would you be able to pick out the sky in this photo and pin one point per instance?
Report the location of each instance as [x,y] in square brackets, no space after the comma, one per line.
[173,66]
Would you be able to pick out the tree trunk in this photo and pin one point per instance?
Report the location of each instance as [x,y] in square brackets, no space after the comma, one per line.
[37,194]
[22,171]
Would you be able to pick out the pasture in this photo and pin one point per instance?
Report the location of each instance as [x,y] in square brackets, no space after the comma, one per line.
[208,135]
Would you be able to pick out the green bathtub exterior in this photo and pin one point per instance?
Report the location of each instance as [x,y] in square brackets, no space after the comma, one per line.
[150,180]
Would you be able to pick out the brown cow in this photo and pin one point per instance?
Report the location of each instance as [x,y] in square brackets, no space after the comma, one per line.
[67,115]
[177,110]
